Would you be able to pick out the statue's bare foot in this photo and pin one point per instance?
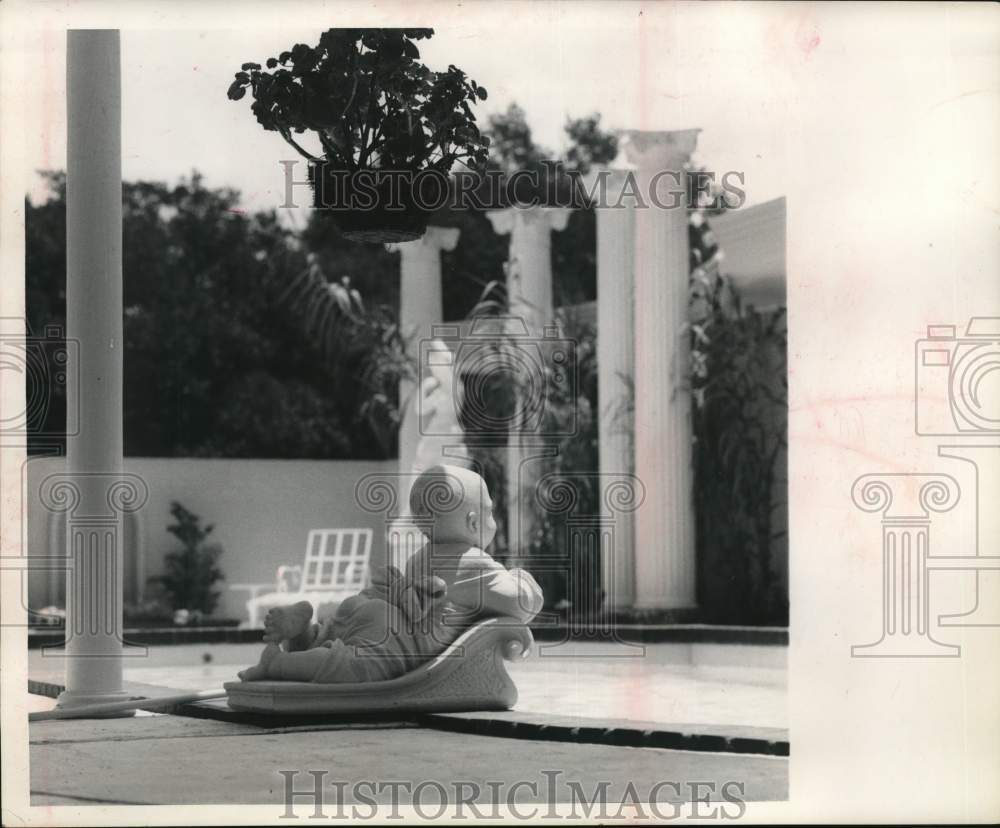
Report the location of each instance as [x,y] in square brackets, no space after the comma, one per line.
[259,671]
[284,623]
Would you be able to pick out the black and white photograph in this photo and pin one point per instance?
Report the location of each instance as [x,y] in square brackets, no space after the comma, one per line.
[499,412]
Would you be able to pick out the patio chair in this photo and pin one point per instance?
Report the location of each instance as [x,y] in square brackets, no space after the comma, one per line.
[335,567]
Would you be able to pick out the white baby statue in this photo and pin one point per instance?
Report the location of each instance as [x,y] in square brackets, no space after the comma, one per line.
[405,620]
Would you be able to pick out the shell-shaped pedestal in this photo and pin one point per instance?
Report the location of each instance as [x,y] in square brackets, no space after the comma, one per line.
[469,675]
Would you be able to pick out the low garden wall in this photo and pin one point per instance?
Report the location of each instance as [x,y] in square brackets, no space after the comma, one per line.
[262,511]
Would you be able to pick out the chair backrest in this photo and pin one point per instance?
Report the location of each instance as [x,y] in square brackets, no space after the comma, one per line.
[336,559]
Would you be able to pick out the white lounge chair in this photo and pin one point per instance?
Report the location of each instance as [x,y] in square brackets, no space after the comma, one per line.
[335,567]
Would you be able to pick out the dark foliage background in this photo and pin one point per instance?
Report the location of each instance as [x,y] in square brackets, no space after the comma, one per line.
[217,362]
[246,339]
[220,363]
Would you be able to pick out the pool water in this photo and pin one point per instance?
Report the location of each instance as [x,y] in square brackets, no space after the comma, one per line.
[660,683]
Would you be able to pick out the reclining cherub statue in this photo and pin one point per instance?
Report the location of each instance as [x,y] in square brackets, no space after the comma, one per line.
[406,619]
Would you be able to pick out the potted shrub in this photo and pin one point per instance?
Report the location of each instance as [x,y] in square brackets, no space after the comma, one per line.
[376,109]
[189,583]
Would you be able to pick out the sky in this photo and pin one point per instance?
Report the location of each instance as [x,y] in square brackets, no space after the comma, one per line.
[726,74]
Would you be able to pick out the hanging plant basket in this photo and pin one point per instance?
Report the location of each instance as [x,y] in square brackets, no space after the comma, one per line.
[379,116]
[395,215]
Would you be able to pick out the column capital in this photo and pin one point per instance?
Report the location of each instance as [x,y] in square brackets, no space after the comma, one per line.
[434,240]
[119,492]
[504,221]
[660,150]
[919,494]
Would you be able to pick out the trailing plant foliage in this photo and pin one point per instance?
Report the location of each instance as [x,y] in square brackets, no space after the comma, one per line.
[569,574]
[192,570]
[369,100]
[571,410]
[363,343]
[740,388]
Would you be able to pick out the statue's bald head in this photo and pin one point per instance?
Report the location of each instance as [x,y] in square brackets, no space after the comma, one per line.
[458,502]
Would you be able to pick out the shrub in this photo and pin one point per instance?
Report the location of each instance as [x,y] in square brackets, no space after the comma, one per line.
[191,571]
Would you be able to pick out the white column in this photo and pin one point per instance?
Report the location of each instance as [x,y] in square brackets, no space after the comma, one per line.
[665,538]
[615,370]
[420,308]
[529,292]
[529,271]
[94,388]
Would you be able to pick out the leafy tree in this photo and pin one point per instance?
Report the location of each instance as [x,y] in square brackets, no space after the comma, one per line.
[590,145]
[219,361]
[511,145]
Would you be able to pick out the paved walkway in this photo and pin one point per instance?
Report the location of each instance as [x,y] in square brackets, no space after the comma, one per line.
[584,714]
[159,759]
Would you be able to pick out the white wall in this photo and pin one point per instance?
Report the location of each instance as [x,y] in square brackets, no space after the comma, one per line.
[753,242]
[262,511]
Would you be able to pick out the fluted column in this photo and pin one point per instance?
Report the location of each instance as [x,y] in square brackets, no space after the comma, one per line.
[529,270]
[664,527]
[529,292]
[420,307]
[94,389]
[615,372]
